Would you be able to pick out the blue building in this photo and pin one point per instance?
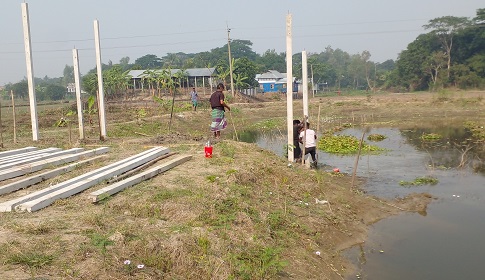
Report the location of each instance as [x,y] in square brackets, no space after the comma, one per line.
[274,81]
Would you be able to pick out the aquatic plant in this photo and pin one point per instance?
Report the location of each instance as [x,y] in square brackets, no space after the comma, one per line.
[477,130]
[376,137]
[431,137]
[420,181]
[344,144]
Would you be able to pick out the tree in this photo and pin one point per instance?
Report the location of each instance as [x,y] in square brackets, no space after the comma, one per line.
[247,69]
[445,28]
[55,92]
[149,77]
[181,75]
[21,89]
[149,61]
[433,64]
[68,75]
[409,72]
[90,83]
[480,18]
[271,60]
[116,81]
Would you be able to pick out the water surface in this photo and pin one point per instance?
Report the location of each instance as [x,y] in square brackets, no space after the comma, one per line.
[446,242]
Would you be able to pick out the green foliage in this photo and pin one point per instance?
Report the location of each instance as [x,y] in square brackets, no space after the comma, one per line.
[431,137]
[90,83]
[376,137]
[100,241]
[227,150]
[344,144]
[31,259]
[166,194]
[420,181]
[478,131]
[258,263]
[211,178]
[149,61]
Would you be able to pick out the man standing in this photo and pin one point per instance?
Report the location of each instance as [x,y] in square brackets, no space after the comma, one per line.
[195,98]
[218,109]
[308,137]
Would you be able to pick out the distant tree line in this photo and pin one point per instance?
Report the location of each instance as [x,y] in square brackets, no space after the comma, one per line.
[451,54]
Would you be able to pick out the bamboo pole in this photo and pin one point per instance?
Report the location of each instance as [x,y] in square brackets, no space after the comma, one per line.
[318,124]
[1,126]
[14,121]
[357,159]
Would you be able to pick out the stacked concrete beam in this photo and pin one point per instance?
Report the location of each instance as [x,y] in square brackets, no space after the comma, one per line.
[24,155]
[17,151]
[24,169]
[45,197]
[55,152]
[32,180]
[133,180]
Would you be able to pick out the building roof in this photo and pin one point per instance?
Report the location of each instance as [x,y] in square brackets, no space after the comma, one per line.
[191,72]
[271,75]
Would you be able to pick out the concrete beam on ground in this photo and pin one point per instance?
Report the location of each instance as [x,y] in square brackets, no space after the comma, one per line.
[135,179]
[8,206]
[21,156]
[34,167]
[49,197]
[42,157]
[29,181]
[17,151]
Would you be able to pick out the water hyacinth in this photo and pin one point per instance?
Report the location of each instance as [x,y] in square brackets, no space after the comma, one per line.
[344,144]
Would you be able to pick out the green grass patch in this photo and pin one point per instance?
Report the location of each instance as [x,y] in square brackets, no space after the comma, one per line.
[166,194]
[100,241]
[257,263]
[420,181]
[31,259]
[268,124]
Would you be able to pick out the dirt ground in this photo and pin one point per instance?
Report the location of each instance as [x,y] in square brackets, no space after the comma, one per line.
[242,214]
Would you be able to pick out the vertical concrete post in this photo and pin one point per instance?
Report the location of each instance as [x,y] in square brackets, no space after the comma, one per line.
[77,81]
[304,75]
[102,118]
[30,72]
[289,86]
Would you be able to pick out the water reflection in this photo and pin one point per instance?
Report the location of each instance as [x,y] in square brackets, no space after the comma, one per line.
[447,243]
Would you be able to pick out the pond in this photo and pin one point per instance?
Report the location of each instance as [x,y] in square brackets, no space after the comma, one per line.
[444,243]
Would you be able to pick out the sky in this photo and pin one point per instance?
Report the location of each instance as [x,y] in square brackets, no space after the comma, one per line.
[136,28]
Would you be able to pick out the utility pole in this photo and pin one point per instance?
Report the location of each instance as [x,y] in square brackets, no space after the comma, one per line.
[101,111]
[289,87]
[30,72]
[230,59]
[313,84]
[304,75]
[77,81]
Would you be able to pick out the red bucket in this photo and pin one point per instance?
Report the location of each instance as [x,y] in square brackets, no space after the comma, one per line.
[208,151]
